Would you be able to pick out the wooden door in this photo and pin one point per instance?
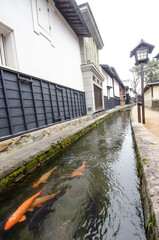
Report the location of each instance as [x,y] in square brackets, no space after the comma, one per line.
[98,98]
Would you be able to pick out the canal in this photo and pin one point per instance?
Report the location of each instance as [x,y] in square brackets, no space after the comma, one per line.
[103,203]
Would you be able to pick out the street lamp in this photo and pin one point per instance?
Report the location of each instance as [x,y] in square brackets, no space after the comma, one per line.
[141,52]
[141,55]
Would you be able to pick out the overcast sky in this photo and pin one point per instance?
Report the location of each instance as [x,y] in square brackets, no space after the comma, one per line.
[122,25]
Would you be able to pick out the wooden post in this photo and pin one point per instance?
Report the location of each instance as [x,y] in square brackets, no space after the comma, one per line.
[139,112]
[142,94]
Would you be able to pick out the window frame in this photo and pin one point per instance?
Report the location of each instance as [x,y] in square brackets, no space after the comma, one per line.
[38,29]
[3,53]
[9,47]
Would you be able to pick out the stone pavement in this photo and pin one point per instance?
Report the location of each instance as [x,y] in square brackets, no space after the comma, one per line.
[151,121]
[147,141]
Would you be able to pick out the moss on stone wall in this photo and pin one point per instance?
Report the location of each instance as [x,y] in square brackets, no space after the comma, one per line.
[42,157]
[144,160]
[65,143]
[31,164]
[5,181]
[17,172]
[138,159]
[150,230]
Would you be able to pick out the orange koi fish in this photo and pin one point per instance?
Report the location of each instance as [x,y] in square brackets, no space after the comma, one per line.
[18,215]
[39,201]
[79,171]
[44,178]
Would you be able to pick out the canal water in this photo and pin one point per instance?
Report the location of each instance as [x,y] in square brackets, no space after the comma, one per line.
[103,203]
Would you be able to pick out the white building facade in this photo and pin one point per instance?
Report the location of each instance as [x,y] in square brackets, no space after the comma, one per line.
[92,77]
[113,88]
[38,41]
[151,93]
[49,64]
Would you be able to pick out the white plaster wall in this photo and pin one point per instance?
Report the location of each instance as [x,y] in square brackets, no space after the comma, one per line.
[116,89]
[148,98]
[36,56]
[110,83]
[107,82]
[155,92]
[147,94]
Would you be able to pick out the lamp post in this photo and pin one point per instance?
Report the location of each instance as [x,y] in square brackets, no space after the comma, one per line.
[141,52]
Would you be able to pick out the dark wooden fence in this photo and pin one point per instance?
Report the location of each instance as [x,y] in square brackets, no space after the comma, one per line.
[117,101]
[28,103]
[108,103]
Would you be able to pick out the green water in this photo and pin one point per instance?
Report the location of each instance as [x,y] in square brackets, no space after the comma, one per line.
[104,203]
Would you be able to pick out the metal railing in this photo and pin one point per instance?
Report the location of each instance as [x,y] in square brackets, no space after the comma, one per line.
[28,103]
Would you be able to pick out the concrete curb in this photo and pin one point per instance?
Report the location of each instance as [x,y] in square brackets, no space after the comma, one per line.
[148,168]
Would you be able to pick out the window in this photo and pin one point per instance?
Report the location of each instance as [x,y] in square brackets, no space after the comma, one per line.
[3,55]
[94,79]
[43,15]
[108,93]
[41,12]
[7,47]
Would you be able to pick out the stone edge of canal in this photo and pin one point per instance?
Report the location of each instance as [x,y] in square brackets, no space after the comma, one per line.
[145,155]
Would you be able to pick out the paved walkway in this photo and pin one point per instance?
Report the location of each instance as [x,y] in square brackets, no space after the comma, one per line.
[147,139]
[151,122]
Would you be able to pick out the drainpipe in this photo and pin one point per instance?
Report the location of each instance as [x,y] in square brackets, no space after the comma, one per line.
[114,92]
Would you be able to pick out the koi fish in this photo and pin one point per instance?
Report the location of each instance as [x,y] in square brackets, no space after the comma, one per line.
[42,212]
[79,171]
[18,215]
[44,178]
[40,201]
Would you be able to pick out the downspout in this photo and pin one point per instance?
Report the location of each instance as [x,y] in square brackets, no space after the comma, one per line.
[114,92]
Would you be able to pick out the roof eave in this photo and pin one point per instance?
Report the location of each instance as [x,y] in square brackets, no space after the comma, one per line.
[91,24]
[72,14]
[150,85]
[116,76]
[107,69]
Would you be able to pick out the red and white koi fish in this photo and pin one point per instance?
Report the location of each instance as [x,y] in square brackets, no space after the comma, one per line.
[44,178]
[18,215]
[79,171]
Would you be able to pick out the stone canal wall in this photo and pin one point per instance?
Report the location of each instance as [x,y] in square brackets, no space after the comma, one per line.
[148,168]
[21,155]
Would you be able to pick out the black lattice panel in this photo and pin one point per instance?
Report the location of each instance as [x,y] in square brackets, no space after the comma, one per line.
[28,103]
